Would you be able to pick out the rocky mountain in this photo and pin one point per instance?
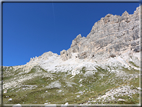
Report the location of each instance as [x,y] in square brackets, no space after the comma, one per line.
[102,68]
[112,34]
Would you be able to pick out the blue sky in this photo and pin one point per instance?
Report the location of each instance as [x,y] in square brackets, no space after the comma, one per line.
[30,29]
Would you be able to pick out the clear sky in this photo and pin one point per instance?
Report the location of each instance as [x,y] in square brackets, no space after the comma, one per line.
[30,29]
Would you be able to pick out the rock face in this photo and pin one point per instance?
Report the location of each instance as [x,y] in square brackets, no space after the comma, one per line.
[108,57]
[112,34]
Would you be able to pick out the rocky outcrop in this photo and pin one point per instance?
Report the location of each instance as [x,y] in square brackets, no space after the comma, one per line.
[112,34]
[64,55]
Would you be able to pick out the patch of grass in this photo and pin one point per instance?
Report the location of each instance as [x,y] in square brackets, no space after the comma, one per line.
[132,63]
[83,70]
[39,81]
[131,71]
[8,73]
[35,70]
[134,82]
[8,77]
[99,69]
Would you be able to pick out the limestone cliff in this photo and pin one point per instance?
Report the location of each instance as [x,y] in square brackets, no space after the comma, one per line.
[111,35]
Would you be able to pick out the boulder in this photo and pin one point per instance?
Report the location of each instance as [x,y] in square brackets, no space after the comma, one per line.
[55,84]
[17,105]
[137,49]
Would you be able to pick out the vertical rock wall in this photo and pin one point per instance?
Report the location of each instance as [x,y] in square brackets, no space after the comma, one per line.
[112,34]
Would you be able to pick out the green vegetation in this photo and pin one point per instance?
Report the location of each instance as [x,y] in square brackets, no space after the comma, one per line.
[132,63]
[130,71]
[83,70]
[74,90]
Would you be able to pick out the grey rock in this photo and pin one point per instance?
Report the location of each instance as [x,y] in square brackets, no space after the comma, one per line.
[134,43]
[136,61]
[76,40]
[115,19]
[75,49]
[82,55]
[89,73]
[111,34]
[64,55]
[123,26]
[55,84]
[125,14]
[136,34]
[137,49]
[63,52]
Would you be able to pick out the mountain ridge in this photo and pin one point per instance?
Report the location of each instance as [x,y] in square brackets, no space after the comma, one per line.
[110,54]
[95,49]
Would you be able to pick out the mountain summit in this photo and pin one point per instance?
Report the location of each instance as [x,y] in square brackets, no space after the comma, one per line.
[103,67]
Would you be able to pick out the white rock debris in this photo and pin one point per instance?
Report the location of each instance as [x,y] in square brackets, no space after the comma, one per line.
[17,105]
[120,91]
[55,84]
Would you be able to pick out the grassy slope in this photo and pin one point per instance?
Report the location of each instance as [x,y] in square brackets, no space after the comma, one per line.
[92,87]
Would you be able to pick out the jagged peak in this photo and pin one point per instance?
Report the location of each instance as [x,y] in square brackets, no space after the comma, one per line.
[125,13]
[108,15]
[138,8]
[100,36]
[137,11]
[78,36]
[44,55]
[77,39]
[62,52]
[47,53]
